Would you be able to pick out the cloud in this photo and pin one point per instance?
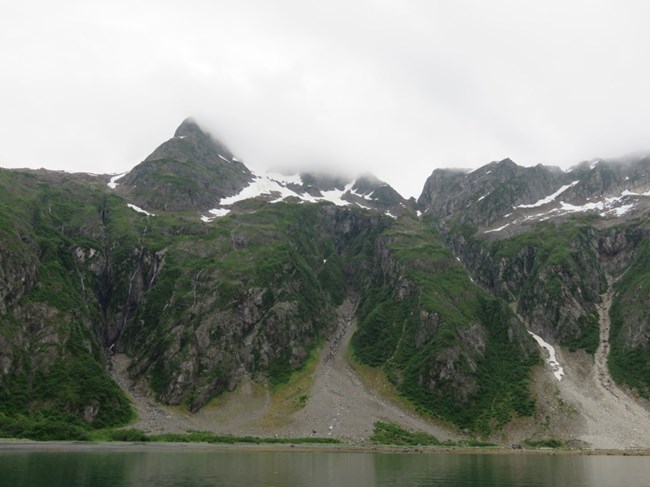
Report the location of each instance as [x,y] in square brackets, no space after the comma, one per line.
[397,88]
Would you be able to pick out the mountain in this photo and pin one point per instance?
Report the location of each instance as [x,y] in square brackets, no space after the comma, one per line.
[556,244]
[191,277]
[192,170]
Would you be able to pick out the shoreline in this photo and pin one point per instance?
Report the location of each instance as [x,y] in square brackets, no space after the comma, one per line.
[7,445]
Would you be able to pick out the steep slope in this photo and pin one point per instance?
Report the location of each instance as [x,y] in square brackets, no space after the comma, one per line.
[453,350]
[549,242]
[190,172]
[53,379]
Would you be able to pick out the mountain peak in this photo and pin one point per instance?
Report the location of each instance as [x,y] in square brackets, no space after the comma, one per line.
[189,126]
[190,171]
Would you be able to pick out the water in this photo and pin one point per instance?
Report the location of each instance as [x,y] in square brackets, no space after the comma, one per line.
[144,468]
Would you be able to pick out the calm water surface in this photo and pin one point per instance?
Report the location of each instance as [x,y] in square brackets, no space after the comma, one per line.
[288,468]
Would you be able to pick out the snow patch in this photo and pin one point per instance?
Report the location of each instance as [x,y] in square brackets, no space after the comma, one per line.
[219,211]
[550,197]
[388,213]
[139,210]
[627,192]
[336,195]
[275,184]
[221,157]
[215,212]
[113,182]
[482,197]
[261,185]
[497,229]
[558,371]
[620,211]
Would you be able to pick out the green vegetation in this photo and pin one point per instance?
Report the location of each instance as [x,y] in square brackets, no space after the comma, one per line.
[546,443]
[194,305]
[41,429]
[392,434]
[57,387]
[193,436]
[550,264]
[450,349]
[272,276]
[629,359]
[546,272]
[206,437]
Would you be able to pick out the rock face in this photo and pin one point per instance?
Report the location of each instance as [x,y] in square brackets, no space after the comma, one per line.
[551,243]
[204,273]
[191,171]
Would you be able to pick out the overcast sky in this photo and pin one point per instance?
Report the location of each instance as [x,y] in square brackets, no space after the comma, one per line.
[395,87]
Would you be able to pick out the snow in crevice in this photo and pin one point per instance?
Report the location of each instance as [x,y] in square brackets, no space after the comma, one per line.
[113,182]
[388,213]
[497,229]
[139,210]
[549,198]
[224,158]
[627,192]
[483,197]
[551,359]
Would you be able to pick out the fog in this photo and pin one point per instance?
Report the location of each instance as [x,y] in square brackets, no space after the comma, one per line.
[397,88]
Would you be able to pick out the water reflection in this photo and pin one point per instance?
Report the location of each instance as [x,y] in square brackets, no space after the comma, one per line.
[295,468]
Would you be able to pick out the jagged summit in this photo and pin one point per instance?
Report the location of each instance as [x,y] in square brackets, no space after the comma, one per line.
[503,195]
[195,172]
[191,171]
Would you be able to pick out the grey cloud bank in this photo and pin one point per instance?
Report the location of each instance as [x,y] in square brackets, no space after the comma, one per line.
[397,88]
